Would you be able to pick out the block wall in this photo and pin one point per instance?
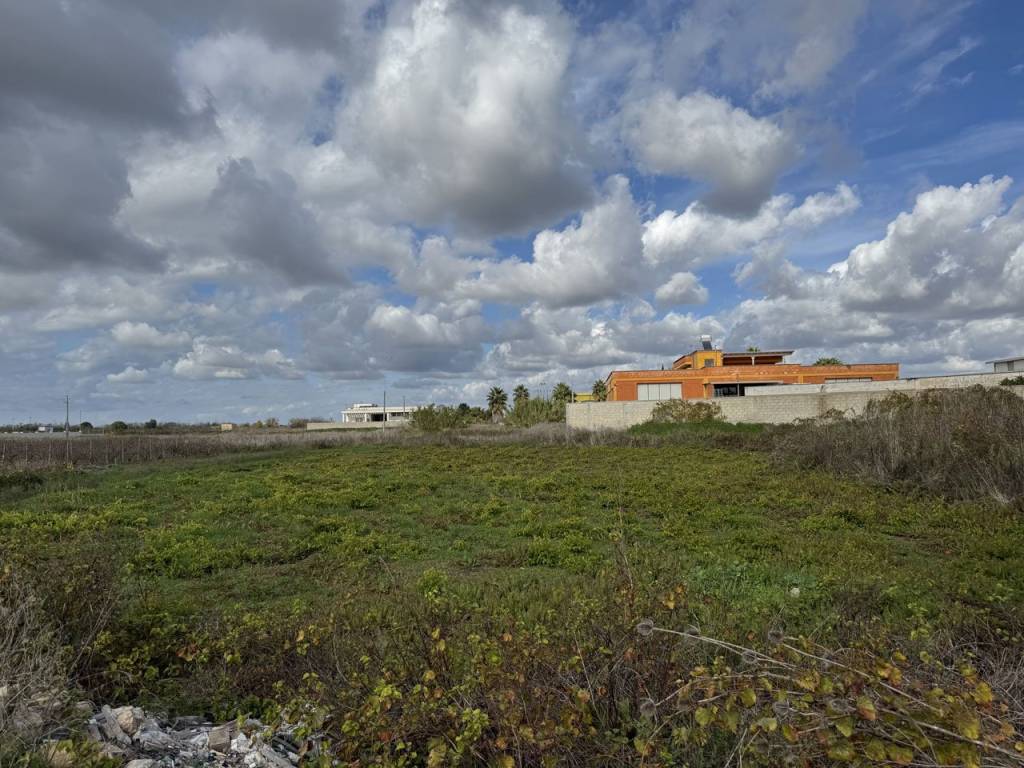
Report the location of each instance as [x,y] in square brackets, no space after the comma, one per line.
[763,409]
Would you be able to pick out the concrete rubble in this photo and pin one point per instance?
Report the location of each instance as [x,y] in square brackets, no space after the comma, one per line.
[145,740]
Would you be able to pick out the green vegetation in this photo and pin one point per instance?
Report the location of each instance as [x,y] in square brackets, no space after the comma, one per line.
[599,390]
[686,412]
[480,604]
[497,402]
[1013,381]
[829,361]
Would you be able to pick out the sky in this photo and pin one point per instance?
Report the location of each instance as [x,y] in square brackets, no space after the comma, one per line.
[235,210]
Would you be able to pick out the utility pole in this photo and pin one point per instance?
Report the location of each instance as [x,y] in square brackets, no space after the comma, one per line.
[67,430]
[384,421]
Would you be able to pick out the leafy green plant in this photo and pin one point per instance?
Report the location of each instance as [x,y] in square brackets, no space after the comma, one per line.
[434,418]
[685,412]
[1014,381]
[797,702]
[536,410]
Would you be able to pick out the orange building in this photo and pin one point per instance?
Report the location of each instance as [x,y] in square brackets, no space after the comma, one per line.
[708,372]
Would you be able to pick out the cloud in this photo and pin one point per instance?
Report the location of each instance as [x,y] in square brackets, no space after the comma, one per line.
[955,260]
[129,375]
[209,360]
[267,224]
[592,260]
[698,236]
[777,51]
[401,339]
[465,118]
[706,138]
[929,72]
[87,61]
[60,194]
[682,288]
[131,334]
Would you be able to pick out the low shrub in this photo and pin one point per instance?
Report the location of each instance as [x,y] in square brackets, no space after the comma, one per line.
[686,412]
[1014,381]
[962,444]
[33,668]
[529,412]
[435,418]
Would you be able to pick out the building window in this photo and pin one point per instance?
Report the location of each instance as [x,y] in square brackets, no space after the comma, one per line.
[726,390]
[709,363]
[658,391]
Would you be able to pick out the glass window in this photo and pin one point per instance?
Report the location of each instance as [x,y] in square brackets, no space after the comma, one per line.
[666,391]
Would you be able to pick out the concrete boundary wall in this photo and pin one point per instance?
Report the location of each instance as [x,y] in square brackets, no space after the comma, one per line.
[322,426]
[902,385]
[763,409]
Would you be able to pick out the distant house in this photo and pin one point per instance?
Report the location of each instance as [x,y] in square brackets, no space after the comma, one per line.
[709,372]
[227,426]
[362,413]
[1007,365]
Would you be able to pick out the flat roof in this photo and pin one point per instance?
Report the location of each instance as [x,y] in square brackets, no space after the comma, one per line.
[782,352]
[1005,360]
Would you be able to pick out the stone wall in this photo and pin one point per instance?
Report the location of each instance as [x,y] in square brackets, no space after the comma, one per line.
[763,409]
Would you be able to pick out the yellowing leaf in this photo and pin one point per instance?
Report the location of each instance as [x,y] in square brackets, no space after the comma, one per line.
[790,734]
[866,708]
[968,725]
[899,755]
[506,761]
[748,696]
[875,750]
[842,751]
[983,693]
[845,726]
[703,716]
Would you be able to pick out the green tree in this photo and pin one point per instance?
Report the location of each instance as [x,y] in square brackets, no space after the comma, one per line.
[829,361]
[520,395]
[753,349]
[562,393]
[497,402]
[151,424]
[599,390]
[118,426]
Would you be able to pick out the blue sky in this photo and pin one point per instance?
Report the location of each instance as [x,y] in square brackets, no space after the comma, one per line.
[238,210]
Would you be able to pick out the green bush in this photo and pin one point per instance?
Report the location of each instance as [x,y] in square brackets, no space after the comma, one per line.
[435,418]
[685,412]
[528,413]
[1015,381]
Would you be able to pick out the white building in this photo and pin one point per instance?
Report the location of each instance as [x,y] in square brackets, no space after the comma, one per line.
[1007,365]
[362,413]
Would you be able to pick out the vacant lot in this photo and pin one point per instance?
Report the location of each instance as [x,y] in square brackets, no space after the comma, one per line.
[482,573]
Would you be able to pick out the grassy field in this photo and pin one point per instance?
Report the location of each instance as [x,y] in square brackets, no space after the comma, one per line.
[236,577]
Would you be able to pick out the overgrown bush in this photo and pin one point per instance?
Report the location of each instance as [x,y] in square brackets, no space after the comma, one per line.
[960,443]
[685,412]
[435,418]
[1013,381]
[33,667]
[536,410]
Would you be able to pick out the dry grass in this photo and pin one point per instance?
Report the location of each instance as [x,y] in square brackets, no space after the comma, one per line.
[961,444]
[33,666]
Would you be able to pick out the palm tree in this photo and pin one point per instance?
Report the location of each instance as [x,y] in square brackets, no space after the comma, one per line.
[561,393]
[520,395]
[497,402]
[599,390]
